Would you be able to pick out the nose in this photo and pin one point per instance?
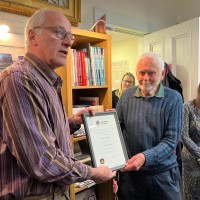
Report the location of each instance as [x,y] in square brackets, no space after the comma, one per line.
[146,76]
[67,41]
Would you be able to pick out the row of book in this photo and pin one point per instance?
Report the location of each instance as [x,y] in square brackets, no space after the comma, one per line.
[88,65]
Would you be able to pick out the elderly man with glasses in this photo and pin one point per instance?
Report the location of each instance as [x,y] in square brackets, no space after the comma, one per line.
[36,157]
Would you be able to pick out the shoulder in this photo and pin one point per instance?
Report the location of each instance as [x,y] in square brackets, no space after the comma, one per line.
[19,66]
[17,72]
[189,105]
[128,94]
[172,95]
[130,91]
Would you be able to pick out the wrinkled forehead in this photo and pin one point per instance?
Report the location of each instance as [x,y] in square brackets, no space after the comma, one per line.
[54,18]
[149,63]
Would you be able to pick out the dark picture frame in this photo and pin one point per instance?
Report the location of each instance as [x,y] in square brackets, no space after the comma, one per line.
[105,140]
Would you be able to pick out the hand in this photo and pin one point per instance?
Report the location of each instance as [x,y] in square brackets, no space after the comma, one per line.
[135,163]
[77,117]
[198,160]
[102,174]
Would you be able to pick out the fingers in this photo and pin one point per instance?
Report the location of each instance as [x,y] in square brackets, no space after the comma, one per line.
[135,163]
[102,174]
[77,117]
[130,167]
[91,111]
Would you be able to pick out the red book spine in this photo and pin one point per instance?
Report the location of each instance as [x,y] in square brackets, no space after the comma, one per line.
[83,68]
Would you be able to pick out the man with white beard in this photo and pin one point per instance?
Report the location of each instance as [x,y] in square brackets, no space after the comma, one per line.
[151,119]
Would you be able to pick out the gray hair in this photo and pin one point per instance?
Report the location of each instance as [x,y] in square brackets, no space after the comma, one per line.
[157,60]
[37,19]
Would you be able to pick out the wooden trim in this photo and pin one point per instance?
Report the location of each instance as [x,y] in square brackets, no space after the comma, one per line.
[72,9]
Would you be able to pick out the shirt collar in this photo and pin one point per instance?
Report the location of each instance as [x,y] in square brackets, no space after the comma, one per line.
[45,70]
[159,93]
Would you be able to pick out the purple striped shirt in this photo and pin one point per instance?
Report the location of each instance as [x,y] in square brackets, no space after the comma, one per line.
[35,144]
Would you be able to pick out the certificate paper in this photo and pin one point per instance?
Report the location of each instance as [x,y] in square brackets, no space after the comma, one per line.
[105,140]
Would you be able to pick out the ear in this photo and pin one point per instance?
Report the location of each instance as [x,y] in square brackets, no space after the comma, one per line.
[163,74]
[32,37]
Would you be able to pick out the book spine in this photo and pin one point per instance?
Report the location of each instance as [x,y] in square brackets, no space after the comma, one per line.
[83,68]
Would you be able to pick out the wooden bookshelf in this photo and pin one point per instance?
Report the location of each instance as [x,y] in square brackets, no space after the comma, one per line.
[70,94]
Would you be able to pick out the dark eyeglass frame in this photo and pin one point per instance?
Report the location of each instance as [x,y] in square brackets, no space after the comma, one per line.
[60,32]
[129,82]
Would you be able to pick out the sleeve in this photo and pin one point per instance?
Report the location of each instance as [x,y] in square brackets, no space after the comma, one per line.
[29,133]
[73,126]
[185,137]
[171,135]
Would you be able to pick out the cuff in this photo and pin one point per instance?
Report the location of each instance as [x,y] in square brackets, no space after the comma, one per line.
[73,126]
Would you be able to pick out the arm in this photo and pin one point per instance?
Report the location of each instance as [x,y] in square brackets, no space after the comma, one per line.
[40,146]
[171,134]
[186,139]
[168,133]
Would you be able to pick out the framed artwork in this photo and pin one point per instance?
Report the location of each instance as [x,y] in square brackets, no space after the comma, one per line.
[5,60]
[71,8]
[105,140]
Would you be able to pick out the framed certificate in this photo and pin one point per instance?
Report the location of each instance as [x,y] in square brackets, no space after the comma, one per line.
[105,140]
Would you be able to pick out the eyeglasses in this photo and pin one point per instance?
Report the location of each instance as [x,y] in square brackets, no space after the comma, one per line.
[150,73]
[128,82]
[60,32]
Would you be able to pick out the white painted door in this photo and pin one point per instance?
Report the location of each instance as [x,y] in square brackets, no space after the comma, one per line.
[179,47]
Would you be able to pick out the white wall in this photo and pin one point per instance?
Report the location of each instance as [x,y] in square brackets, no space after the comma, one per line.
[14,42]
[124,50]
[188,9]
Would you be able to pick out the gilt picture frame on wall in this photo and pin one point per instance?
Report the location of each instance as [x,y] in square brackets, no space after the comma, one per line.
[71,8]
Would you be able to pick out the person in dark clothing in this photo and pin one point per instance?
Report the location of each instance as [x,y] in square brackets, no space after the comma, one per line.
[174,83]
[128,80]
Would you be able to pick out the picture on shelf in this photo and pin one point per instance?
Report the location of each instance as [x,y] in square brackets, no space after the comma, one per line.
[5,60]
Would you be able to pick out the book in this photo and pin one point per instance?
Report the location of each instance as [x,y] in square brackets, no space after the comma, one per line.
[83,68]
[88,60]
[93,101]
[78,69]
[99,108]
[102,70]
[87,183]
